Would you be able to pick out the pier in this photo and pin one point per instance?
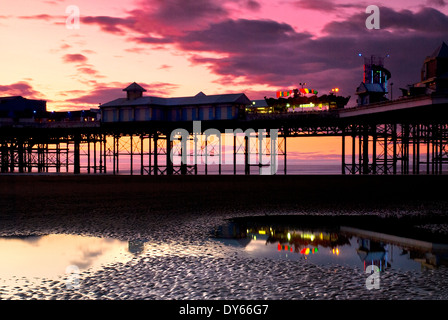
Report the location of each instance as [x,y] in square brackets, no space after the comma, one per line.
[404,136]
[187,135]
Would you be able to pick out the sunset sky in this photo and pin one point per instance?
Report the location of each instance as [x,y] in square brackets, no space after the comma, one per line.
[181,47]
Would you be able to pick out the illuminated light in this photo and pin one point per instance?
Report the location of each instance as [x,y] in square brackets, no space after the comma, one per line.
[316,250]
[279,247]
[307,105]
[305,251]
[308,236]
[290,249]
[364,77]
[284,93]
[261,232]
[337,251]
[321,236]
[307,91]
[288,236]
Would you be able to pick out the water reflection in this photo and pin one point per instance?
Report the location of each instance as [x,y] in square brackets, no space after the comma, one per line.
[47,256]
[332,244]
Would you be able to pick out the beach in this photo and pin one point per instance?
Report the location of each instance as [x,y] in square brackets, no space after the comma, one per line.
[175,215]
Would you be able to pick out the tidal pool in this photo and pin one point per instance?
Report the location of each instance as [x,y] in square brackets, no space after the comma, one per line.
[334,245]
[52,256]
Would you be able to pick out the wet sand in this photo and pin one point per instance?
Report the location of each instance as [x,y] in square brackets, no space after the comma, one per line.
[175,215]
[76,195]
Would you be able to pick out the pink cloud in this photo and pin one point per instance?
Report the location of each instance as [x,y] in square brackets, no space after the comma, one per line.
[45,17]
[21,88]
[326,5]
[164,18]
[165,67]
[74,58]
[105,92]
[88,70]
[110,24]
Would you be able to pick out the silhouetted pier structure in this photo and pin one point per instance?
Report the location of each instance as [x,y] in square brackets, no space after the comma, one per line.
[158,136]
[405,136]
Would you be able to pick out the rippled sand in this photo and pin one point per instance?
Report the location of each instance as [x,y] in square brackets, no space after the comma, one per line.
[180,260]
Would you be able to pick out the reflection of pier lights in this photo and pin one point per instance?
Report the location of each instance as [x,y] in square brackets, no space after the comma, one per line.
[373,253]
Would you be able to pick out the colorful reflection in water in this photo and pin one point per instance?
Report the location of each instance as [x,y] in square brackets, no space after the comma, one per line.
[339,245]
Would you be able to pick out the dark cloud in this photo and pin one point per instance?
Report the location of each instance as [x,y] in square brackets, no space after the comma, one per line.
[427,20]
[319,5]
[174,16]
[99,94]
[238,36]
[105,92]
[110,24]
[393,21]
[21,88]
[152,40]
[83,68]
[164,18]
[325,5]
[275,54]
[405,35]
[253,5]
[268,52]
[74,58]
